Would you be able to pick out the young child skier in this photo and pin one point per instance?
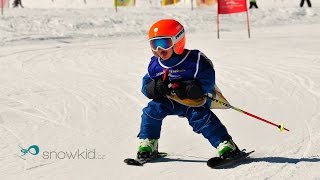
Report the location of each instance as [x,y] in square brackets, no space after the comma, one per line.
[177,81]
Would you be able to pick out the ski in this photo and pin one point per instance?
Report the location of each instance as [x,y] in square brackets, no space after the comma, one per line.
[220,163]
[141,162]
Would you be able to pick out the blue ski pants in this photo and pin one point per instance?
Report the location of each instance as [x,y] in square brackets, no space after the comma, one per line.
[201,119]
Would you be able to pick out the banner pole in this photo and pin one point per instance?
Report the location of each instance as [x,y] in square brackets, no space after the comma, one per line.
[248,26]
[2,7]
[218,27]
[115,5]
[191,5]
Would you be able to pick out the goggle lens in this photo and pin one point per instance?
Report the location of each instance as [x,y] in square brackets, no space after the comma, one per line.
[163,43]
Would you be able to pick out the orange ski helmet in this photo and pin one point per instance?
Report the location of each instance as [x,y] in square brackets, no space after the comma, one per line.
[169,28]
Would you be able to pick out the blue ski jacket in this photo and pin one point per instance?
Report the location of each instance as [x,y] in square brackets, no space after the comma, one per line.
[191,65]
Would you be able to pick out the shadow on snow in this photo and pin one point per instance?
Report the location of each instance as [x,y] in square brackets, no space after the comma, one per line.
[280,160]
[283,160]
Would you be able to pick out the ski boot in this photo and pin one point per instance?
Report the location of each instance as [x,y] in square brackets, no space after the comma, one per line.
[148,148]
[229,155]
[228,149]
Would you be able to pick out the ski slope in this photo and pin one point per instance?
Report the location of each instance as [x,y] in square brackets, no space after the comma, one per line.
[71,79]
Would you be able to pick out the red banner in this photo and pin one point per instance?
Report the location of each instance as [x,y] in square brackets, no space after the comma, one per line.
[3,3]
[231,6]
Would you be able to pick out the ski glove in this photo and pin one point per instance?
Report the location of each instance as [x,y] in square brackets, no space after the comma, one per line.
[187,89]
[157,88]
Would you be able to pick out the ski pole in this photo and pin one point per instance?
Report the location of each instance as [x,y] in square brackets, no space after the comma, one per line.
[280,126]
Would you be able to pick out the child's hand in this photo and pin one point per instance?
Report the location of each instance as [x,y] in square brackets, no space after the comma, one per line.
[187,89]
[162,88]
[157,88]
[179,89]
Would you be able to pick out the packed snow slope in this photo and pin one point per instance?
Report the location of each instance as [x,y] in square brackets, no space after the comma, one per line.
[71,78]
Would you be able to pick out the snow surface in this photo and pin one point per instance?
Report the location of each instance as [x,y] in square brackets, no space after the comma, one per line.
[71,77]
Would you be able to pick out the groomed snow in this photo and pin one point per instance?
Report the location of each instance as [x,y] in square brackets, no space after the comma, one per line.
[71,74]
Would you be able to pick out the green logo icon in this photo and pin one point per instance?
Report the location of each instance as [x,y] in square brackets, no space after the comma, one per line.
[33,150]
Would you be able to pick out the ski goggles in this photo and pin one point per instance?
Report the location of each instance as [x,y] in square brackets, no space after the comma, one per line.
[166,42]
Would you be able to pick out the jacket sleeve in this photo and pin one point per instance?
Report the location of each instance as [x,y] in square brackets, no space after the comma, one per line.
[206,74]
[145,80]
